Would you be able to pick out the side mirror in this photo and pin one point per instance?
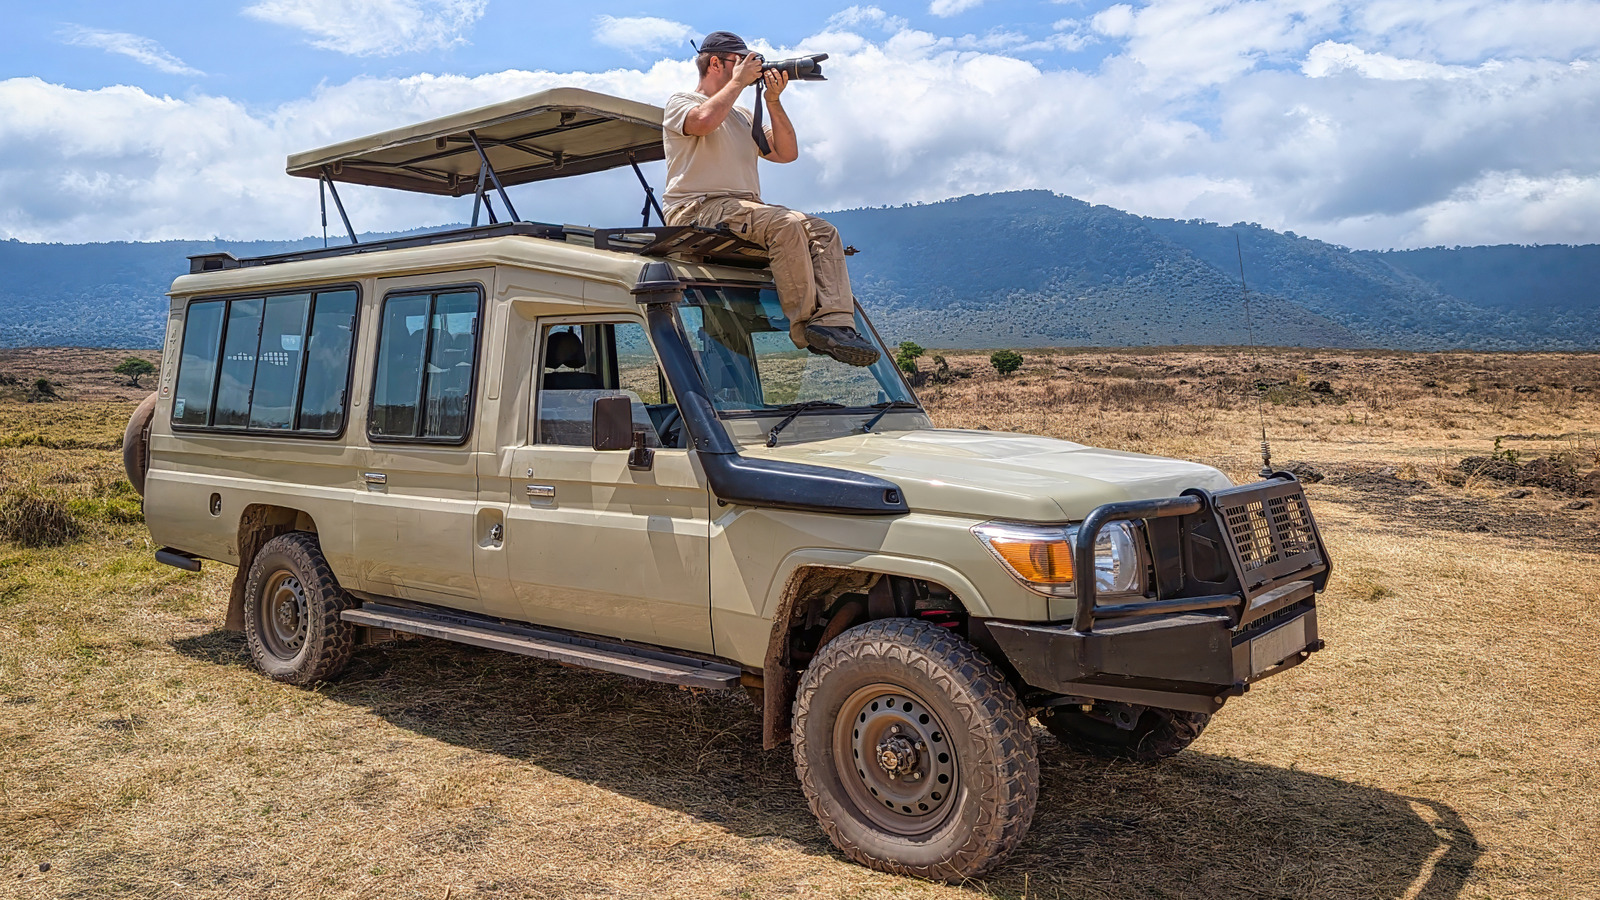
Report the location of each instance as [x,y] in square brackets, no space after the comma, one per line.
[613,423]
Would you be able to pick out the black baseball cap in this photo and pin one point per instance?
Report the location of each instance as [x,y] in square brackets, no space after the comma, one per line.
[723,42]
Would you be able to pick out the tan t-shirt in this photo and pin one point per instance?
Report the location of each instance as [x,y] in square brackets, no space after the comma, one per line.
[722,162]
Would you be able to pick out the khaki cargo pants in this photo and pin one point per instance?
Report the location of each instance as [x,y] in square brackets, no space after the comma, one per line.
[807,257]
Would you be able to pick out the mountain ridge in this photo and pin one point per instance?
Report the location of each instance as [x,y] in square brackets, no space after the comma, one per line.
[1023,268]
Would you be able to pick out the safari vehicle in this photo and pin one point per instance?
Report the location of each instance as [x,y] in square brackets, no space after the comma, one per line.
[598,446]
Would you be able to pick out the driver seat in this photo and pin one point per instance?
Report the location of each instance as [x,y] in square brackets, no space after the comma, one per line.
[564,350]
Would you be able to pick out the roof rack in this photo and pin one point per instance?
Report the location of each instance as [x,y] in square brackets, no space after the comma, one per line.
[691,242]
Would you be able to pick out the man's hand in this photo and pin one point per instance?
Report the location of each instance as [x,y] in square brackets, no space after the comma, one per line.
[748,71]
[776,82]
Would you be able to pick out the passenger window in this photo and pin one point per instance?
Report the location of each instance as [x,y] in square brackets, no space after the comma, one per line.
[283,336]
[328,362]
[584,362]
[427,353]
[197,365]
[238,364]
[279,363]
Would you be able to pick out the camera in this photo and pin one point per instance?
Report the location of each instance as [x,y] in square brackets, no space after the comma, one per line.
[801,68]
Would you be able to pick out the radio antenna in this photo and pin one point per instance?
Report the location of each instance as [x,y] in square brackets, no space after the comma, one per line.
[1255,353]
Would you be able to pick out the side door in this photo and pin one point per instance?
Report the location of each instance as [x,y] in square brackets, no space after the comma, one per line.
[591,544]
[416,527]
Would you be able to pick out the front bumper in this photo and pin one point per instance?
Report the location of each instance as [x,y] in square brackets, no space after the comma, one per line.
[1192,661]
[1236,574]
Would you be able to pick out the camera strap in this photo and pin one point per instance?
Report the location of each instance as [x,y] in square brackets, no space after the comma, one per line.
[757,130]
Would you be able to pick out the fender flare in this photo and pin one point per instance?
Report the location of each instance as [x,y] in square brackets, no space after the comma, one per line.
[779,679]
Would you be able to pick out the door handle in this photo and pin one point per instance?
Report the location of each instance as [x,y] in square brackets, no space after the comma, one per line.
[541,492]
[375,477]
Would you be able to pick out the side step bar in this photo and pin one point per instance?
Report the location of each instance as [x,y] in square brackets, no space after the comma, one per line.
[622,659]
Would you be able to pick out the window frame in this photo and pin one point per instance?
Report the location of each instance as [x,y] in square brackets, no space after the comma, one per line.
[543,326]
[300,382]
[432,292]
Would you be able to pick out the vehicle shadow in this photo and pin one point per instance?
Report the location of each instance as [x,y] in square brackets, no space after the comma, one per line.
[1198,825]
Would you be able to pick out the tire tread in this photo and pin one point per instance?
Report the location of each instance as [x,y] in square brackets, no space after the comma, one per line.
[329,640]
[972,683]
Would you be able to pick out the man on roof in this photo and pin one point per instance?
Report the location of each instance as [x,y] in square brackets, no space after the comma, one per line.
[712,181]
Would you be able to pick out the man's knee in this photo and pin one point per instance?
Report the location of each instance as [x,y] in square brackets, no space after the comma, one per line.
[821,229]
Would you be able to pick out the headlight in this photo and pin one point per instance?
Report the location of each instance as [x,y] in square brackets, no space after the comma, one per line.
[1040,556]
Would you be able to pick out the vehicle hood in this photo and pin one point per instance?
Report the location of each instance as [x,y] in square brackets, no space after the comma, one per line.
[986,474]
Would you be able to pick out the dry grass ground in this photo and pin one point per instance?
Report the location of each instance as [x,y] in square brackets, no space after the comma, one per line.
[1444,746]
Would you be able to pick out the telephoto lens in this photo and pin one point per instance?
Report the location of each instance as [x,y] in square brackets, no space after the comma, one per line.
[801,68]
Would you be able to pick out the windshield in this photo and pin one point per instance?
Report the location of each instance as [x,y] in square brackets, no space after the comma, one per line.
[740,341]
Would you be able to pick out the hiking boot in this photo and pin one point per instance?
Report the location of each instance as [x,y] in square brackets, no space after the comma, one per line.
[842,343]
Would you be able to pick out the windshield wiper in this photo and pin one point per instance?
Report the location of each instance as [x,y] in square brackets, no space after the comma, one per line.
[796,409]
[883,410]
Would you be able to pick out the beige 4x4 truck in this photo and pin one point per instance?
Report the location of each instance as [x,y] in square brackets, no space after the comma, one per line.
[598,446]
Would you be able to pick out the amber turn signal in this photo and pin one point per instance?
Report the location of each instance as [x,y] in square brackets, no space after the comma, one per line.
[1040,562]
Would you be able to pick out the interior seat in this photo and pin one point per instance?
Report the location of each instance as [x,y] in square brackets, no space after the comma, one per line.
[564,350]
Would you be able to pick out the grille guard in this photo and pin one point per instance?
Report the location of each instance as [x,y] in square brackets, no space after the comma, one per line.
[1234,549]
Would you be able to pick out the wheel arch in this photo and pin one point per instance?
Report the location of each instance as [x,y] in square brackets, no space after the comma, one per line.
[822,584]
[258,524]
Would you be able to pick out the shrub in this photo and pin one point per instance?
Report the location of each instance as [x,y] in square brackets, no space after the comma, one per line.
[42,392]
[1005,361]
[906,356]
[134,368]
[29,519]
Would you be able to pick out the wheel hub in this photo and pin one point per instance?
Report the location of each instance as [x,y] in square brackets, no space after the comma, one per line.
[286,616]
[897,756]
[896,761]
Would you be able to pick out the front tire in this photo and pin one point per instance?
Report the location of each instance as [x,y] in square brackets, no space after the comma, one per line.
[292,604]
[914,753]
[1158,734]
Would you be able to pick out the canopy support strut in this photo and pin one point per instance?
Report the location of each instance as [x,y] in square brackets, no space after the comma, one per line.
[649,194]
[339,204]
[495,177]
[479,198]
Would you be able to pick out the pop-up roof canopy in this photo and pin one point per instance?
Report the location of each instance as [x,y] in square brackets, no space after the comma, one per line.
[551,134]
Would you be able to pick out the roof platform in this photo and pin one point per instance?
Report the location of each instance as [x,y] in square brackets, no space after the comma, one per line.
[691,243]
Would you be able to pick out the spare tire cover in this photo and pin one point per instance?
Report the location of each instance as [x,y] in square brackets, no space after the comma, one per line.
[136,443]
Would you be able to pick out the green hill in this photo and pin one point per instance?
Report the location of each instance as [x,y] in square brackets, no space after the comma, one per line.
[1026,268]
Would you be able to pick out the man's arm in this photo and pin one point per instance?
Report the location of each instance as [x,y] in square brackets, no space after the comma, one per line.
[780,136]
[709,116]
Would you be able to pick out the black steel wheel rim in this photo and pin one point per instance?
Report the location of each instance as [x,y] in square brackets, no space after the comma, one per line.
[895,759]
[285,619]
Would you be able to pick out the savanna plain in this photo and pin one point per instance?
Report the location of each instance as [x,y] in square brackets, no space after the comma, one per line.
[1444,745]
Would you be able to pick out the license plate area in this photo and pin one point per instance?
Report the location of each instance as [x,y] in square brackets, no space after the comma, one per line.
[1269,649]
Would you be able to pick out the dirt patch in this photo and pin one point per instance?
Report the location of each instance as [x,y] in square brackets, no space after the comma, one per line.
[1553,473]
[1413,503]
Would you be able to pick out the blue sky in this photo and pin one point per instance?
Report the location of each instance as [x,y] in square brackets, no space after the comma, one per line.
[1373,124]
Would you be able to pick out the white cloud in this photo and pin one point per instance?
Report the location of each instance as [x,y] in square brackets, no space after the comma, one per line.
[374,27]
[866,15]
[638,34]
[137,48]
[1470,30]
[1332,57]
[1319,128]
[952,7]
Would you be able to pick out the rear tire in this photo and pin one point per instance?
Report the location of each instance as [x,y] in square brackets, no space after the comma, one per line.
[1158,734]
[292,604]
[913,751]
